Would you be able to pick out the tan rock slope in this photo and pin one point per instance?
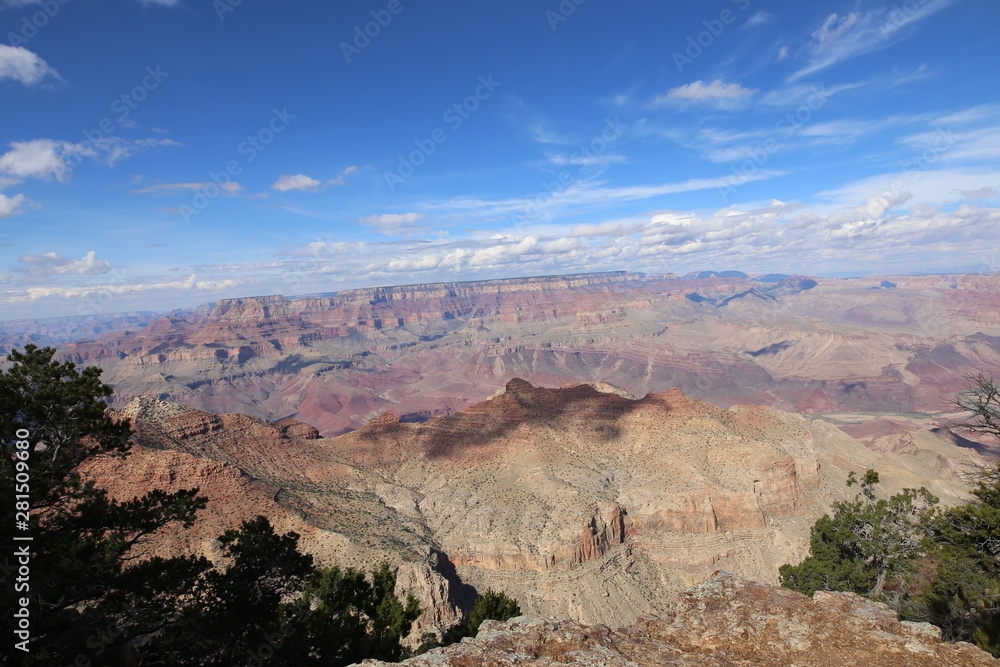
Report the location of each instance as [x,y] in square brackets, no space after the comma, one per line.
[725,622]
[581,503]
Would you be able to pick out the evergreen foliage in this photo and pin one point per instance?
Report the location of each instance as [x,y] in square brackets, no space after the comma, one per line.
[940,566]
[352,618]
[92,601]
[86,596]
[494,605]
[963,596]
[866,542]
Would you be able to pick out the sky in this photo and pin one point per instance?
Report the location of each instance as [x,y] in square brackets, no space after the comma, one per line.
[157,154]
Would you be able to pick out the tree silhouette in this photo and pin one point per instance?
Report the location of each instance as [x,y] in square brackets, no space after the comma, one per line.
[86,596]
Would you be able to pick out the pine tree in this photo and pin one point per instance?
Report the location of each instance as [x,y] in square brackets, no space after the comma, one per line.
[86,596]
[352,618]
[494,605]
[963,596]
[866,542]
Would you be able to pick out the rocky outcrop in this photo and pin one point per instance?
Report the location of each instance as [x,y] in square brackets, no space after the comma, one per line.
[725,622]
[579,501]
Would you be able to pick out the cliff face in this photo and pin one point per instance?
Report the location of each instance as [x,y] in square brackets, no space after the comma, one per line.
[581,503]
[725,622]
[337,361]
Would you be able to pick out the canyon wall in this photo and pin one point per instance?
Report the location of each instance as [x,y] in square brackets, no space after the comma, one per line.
[814,346]
[579,502]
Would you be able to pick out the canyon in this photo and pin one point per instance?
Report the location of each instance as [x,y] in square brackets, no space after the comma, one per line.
[851,350]
[591,444]
[579,501]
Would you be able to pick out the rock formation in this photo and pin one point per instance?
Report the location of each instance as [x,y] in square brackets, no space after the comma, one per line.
[725,622]
[815,346]
[580,503]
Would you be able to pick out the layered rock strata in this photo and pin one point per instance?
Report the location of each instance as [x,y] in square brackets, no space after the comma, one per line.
[337,361]
[580,503]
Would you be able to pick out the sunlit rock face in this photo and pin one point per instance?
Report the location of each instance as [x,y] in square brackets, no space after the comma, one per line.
[725,622]
[579,501]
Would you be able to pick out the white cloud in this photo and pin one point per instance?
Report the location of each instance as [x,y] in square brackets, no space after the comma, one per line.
[724,145]
[89,265]
[304,183]
[771,236]
[11,205]
[974,145]
[562,245]
[191,284]
[833,28]
[20,64]
[587,160]
[840,38]
[976,114]
[295,182]
[782,53]
[499,251]
[43,159]
[886,230]
[339,180]
[155,143]
[394,224]
[52,160]
[700,92]
[760,18]
[610,228]
[230,188]
[980,193]
[592,192]
[541,133]
[849,130]
[317,249]
[53,263]
[930,186]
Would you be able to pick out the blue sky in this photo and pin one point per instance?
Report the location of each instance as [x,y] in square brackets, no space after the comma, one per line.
[158,154]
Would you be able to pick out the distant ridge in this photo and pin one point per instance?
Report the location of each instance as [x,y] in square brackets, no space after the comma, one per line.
[571,277]
[428,350]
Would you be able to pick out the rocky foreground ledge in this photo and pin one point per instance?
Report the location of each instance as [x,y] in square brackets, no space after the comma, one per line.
[724,621]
